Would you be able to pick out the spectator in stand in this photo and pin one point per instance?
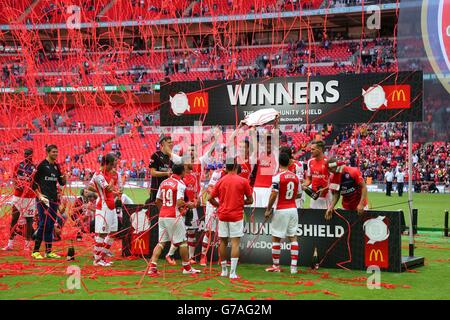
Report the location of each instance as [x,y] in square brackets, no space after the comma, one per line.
[87,146]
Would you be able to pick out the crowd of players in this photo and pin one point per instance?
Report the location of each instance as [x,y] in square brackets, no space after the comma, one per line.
[177,193]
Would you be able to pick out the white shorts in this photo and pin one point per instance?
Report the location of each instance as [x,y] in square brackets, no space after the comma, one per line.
[210,218]
[261,197]
[171,229]
[321,203]
[106,220]
[194,223]
[284,223]
[25,206]
[231,229]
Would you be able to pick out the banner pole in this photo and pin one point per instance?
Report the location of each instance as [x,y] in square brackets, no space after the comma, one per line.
[410,200]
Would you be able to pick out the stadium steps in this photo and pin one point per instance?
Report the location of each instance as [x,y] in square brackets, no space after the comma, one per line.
[97,148]
[334,133]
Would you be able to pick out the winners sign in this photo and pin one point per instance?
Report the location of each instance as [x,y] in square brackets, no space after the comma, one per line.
[349,98]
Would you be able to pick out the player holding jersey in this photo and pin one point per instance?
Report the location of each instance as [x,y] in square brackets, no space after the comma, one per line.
[317,175]
[172,206]
[285,189]
[348,182]
[106,183]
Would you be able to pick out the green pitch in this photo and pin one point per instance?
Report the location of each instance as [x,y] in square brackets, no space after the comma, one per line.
[22,278]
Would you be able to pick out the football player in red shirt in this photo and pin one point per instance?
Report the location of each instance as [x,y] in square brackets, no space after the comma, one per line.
[267,165]
[172,207]
[285,189]
[107,184]
[231,190]
[348,182]
[297,168]
[245,162]
[24,203]
[317,175]
[191,217]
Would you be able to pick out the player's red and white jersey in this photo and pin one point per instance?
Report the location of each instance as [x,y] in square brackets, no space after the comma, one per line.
[246,170]
[297,168]
[347,183]
[190,180]
[317,170]
[287,184]
[198,170]
[23,178]
[170,191]
[100,181]
[267,167]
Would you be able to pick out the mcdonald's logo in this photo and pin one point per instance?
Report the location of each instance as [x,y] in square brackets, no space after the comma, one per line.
[198,102]
[376,253]
[398,95]
[140,244]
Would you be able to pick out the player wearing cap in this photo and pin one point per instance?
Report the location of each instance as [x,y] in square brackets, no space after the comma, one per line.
[285,189]
[48,175]
[348,182]
[24,202]
[171,224]
[317,175]
[231,191]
